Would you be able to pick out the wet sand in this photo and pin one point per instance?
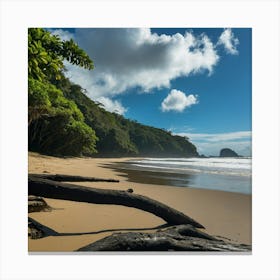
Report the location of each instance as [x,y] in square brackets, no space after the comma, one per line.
[78,224]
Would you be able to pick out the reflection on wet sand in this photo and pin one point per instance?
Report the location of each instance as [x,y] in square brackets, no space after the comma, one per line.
[151,176]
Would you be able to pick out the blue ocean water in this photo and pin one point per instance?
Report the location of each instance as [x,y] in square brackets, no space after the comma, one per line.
[226,174]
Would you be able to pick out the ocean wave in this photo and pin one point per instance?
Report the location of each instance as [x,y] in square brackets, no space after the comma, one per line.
[227,166]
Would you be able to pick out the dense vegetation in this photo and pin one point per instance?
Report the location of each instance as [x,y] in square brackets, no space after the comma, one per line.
[55,123]
[64,121]
[119,136]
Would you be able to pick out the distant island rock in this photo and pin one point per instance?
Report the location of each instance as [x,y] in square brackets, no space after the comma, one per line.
[226,152]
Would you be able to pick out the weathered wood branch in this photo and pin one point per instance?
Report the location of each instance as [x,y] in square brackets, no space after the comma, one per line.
[177,238]
[51,189]
[72,178]
[37,230]
[37,204]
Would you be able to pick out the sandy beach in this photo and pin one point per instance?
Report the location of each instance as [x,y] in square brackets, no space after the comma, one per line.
[222,213]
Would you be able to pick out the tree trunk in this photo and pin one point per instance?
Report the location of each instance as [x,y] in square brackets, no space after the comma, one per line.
[37,204]
[72,178]
[51,189]
[176,238]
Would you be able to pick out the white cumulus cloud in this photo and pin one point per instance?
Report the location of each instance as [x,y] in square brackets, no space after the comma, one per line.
[112,105]
[177,100]
[138,58]
[229,42]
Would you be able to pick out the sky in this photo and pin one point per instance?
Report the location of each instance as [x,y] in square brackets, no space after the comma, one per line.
[194,82]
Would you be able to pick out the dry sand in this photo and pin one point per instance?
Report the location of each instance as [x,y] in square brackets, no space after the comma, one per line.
[222,213]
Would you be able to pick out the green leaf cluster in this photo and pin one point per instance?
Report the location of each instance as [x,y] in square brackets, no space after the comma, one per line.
[56,124]
[46,53]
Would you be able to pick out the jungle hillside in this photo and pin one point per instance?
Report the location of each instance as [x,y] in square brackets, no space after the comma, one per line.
[64,121]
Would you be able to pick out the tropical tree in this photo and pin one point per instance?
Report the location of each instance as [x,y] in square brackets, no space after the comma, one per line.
[46,53]
[55,124]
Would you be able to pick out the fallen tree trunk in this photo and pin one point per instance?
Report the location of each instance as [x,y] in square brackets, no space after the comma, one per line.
[37,204]
[177,238]
[72,178]
[51,189]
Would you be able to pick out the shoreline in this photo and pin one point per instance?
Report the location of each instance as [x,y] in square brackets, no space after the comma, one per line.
[179,178]
[222,213]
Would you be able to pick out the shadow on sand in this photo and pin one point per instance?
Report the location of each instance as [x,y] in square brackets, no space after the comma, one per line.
[37,230]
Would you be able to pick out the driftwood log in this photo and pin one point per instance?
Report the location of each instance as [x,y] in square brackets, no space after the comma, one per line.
[51,189]
[72,178]
[183,235]
[37,204]
[176,238]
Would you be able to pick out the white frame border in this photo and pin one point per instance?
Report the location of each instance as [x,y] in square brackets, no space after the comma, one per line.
[262,16]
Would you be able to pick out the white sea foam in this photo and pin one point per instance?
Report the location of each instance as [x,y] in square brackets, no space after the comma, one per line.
[230,166]
[225,174]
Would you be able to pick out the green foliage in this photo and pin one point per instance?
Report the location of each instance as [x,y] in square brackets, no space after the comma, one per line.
[46,53]
[38,99]
[56,125]
[61,134]
[71,51]
[61,129]
[122,137]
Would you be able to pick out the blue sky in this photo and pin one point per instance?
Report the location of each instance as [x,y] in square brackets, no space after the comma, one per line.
[194,82]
